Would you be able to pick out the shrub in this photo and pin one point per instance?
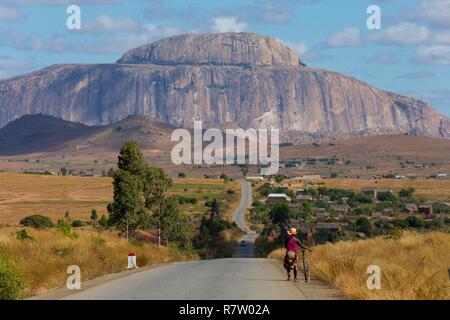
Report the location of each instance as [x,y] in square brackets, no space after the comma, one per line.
[103,221]
[37,222]
[231,191]
[77,224]
[66,229]
[11,283]
[23,235]
[181,175]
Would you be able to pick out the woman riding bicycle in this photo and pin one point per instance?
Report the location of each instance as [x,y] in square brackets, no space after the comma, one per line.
[292,244]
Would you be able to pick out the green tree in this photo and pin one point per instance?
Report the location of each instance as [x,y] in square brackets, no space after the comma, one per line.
[63,171]
[215,211]
[127,211]
[94,215]
[279,178]
[67,215]
[103,221]
[364,225]
[131,159]
[175,225]
[407,193]
[279,213]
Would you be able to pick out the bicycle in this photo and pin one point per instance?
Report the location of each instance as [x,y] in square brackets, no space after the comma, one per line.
[305,266]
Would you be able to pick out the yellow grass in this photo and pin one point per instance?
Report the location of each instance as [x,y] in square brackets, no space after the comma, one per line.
[412,267]
[22,195]
[436,189]
[43,261]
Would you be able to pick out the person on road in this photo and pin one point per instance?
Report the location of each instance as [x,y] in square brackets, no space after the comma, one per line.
[292,244]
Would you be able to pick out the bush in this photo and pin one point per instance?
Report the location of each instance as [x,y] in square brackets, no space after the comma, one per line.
[77,224]
[66,229]
[23,235]
[103,221]
[11,283]
[181,175]
[231,191]
[37,222]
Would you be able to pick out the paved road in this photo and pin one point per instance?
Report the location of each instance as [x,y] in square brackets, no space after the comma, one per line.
[239,278]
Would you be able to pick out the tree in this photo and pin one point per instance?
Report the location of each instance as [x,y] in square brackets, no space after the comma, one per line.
[415,222]
[131,158]
[175,225]
[127,211]
[244,169]
[103,221]
[215,211]
[386,196]
[279,178]
[181,175]
[63,171]
[225,178]
[94,215]
[407,193]
[279,213]
[364,225]
[67,215]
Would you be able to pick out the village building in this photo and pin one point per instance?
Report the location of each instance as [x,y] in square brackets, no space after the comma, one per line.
[411,208]
[257,178]
[277,197]
[426,209]
[341,208]
[303,197]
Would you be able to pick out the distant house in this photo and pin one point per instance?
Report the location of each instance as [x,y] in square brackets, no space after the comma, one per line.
[283,186]
[277,197]
[335,226]
[373,193]
[426,209]
[341,208]
[320,212]
[377,215]
[300,191]
[411,208]
[303,197]
[211,176]
[258,178]
[388,210]
[442,176]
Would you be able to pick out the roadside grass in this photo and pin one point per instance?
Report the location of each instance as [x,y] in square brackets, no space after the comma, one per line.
[42,262]
[414,267]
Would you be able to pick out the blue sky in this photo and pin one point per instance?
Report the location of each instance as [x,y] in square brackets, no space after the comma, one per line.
[409,55]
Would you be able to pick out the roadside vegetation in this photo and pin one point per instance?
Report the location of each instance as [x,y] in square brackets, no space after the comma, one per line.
[413,266]
[147,209]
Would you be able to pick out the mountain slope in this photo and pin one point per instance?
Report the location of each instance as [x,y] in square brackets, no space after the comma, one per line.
[41,133]
[225,80]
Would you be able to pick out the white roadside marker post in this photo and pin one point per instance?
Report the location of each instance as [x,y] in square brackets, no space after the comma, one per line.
[132,261]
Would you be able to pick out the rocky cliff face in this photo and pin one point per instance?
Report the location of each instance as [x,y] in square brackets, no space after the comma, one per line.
[226,80]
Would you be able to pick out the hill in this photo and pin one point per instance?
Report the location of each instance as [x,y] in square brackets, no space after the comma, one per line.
[43,134]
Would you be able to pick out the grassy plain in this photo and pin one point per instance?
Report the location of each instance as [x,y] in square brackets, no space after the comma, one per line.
[22,195]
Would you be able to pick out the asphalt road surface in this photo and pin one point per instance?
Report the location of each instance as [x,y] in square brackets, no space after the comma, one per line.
[242,277]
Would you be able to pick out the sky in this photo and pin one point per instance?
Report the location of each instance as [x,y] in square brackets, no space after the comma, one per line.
[409,55]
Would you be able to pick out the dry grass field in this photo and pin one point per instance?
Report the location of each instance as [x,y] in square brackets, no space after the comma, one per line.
[412,267]
[42,262]
[22,195]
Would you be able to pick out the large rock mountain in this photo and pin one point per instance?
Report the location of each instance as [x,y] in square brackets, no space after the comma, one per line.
[225,80]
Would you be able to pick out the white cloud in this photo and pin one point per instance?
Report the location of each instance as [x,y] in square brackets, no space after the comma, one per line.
[404,33]
[349,37]
[300,47]
[435,12]
[227,24]
[105,23]
[10,14]
[438,55]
